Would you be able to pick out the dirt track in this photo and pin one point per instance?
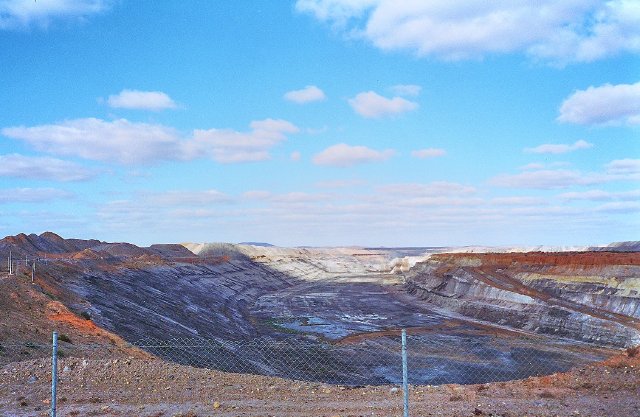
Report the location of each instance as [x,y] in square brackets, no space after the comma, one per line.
[133,387]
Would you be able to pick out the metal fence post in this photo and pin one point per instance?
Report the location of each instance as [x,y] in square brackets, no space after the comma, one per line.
[54,375]
[405,375]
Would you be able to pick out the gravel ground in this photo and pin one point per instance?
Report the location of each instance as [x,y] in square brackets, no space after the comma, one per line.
[152,388]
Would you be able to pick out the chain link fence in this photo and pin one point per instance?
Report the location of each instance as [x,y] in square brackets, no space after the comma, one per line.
[431,359]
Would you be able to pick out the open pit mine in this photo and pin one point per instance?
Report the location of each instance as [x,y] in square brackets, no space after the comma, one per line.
[572,307]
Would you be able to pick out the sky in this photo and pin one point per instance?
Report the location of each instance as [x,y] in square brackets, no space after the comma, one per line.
[321,122]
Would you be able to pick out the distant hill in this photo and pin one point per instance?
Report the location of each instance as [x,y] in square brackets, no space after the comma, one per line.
[49,243]
[263,244]
[631,246]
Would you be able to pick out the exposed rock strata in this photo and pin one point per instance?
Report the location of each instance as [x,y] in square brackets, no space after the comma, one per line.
[584,296]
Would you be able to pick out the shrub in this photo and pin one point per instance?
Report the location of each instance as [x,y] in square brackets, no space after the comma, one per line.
[64,338]
[546,394]
[633,351]
[85,315]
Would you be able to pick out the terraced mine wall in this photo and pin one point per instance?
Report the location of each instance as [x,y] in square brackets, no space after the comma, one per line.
[592,297]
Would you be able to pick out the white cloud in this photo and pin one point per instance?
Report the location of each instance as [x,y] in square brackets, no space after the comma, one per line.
[32,195]
[600,195]
[188,198]
[533,165]
[436,188]
[290,197]
[23,13]
[335,10]
[604,105]
[230,146]
[437,193]
[557,31]
[406,90]
[142,100]
[438,213]
[297,197]
[428,153]
[539,165]
[518,201]
[547,179]
[118,141]
[42,168]
[620,207]
[372,105]
[306,95]
[343,155]
[560,148]
[131,143]
[257,194]
[623,167]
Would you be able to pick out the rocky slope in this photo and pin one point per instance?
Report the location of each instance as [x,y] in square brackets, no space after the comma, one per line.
[590,296]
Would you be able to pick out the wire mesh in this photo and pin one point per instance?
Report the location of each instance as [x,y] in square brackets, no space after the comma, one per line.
[298,360]
[432,359]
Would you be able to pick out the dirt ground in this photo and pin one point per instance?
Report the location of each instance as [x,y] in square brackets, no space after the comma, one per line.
[127,386]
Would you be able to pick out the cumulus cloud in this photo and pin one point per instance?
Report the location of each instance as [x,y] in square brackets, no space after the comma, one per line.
[406,89]
[306,95]
[372,105]
[126,142]
[428,153]
[32,195]
[230,146]
[557,31]
[24,13]
[141,100]
[343,155]
[604,105]
[117,141]
[560,148]
[42,168]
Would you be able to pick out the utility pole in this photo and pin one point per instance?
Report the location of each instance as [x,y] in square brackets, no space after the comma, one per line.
[33,270]
[10,264]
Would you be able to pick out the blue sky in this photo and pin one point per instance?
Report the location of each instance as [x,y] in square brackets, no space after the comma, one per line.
[321,122]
